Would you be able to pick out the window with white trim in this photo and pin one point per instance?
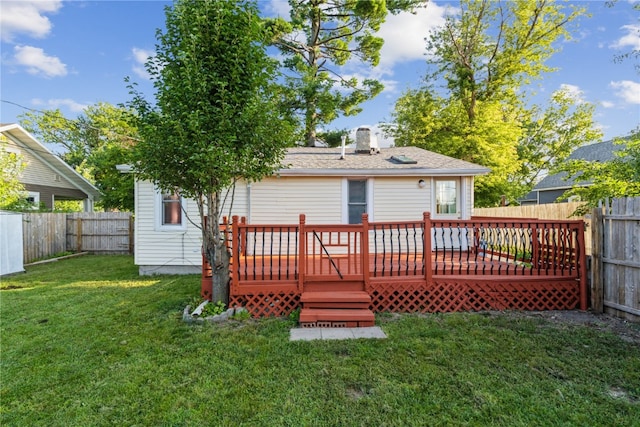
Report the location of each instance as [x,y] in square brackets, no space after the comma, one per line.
[357,200]
[446,196]
[169,213]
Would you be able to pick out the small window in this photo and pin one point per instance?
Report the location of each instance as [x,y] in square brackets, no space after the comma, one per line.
[446,196]
[171,208]
[357,200]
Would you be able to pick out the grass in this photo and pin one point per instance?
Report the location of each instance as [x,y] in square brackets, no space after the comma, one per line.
[87,342]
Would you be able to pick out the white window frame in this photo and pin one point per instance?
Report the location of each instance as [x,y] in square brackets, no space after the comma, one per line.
[345,196]
[434,203]
[36,198]
[159,226]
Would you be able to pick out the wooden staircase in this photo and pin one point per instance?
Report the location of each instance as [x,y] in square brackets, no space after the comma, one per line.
[336,309]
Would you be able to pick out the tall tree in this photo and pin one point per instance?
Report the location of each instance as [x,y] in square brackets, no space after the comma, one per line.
[216,117]
[551,135]
[93,144]
[485,55]
[322,36]
[619,177]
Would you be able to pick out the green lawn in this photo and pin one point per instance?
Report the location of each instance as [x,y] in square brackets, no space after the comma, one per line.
[87,342]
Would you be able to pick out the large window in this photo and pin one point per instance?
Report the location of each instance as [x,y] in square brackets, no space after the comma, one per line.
[446,196]
[357,200]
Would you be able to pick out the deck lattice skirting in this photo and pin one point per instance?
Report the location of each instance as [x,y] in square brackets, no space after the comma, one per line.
[474,265]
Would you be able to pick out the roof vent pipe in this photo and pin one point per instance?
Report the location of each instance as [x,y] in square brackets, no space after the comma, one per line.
[344,141]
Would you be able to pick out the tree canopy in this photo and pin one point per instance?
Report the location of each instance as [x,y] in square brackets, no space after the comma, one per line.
[93,144]
[472,105]
[322,36]
[216,118]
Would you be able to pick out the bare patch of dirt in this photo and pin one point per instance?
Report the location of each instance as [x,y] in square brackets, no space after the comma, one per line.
[626,330]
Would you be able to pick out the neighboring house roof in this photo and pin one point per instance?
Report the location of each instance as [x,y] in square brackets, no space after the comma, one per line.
[23,138]
[398,161]
[602,152]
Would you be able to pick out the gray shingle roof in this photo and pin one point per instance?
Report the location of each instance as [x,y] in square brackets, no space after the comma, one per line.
[602,152]
[326,161]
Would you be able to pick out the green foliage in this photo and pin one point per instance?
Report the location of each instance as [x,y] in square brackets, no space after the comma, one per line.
[213,309]
[550,136]
[295,315]
[11,165]
[335,31]
[619,177]
[333,138]
[485,55]
[98,140]
[217,115]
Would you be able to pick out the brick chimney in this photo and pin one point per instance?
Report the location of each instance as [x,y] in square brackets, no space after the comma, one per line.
[366,141]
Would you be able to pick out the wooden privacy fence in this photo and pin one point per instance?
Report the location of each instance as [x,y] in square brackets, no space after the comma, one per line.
[549,211]
[411,266]
[48,234]
[616,258]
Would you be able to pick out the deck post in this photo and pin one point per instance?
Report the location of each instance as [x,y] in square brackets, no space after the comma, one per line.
[364,251]
[302,253]
[235,257]
[428,267]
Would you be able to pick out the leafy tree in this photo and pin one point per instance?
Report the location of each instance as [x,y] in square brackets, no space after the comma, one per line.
[93,144]
[322,36]
[333,138]
[619,177]
[216,117]
[485,56]
[550,136]
[11,165]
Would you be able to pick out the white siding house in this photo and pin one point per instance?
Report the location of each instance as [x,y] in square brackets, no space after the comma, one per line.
[391,184]
[46,177]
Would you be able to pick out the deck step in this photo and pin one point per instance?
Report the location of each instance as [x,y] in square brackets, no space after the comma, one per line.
[336,317]
[344,299]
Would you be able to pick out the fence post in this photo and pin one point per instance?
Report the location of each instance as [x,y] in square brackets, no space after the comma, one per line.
[364,250]
[131,236]
[428,267]
[597,281]
[302,253]
[78,233]
[584,289]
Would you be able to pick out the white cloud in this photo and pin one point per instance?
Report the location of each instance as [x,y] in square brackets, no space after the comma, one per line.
[573,91]
[140,57]
[627,90]
[26,17]
[630,40]
[70,104]
[607,104]
[404,34]
[39,63]
[279,8]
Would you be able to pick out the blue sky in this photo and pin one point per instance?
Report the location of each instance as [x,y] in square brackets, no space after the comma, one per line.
[71,54]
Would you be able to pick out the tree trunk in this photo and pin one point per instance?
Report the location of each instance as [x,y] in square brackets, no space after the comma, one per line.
[215,248]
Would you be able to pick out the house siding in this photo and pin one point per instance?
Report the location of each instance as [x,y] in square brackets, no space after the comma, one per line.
[36,172]
[282,200]
[160,251]
[400,199]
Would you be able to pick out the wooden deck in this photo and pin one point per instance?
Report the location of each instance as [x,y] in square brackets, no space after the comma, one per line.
[494,264]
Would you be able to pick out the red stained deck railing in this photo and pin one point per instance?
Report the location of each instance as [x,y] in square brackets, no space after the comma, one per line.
[405,268]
